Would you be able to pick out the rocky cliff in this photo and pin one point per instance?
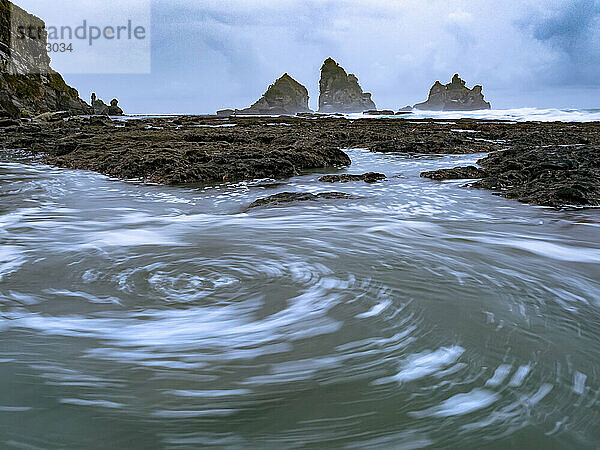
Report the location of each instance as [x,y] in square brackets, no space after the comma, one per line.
[285,96]
[340,92]
[454,96]
[28,85]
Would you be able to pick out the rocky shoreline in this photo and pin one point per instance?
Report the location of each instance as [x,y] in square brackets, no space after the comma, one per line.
[553,164]
[556,176]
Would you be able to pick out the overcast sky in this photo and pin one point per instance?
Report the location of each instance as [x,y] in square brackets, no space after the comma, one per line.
[210,54]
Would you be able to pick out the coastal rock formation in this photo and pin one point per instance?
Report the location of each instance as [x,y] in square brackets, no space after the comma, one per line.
[340,92]
[542,163]
[371,177]
[455,173]
[555,176]
[286,96]
[454,96]
[114,109]
[382,112]
[289,197]
[548,176]
[225,112]
[28,85]
[102,109]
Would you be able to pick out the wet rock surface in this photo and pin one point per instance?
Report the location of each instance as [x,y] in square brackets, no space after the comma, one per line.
[200,149]
[554,176]
[455,173]
[379,112]
[285,96]
[371,177]
[289,197]
[454,96]
[340,91]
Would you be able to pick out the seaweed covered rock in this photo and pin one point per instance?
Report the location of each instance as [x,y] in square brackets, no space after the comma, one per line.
[340,92]
[286,96]
[548,176]
[555,176]
[371,177]
[289,197]
[455,173]
[454,96]
[28,85]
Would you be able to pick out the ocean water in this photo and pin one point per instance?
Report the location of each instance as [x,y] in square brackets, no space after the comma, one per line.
[516,115]
[513,115]
[419,315]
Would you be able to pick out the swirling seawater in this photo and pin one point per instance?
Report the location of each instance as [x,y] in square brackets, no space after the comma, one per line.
[421,314]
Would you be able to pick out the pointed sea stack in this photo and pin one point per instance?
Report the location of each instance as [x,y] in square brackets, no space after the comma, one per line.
[102,109]
[28,85]
[285,96]
[340,92]
[454,96]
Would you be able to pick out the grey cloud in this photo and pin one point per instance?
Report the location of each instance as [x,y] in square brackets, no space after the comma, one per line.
[209,54]
[572,30]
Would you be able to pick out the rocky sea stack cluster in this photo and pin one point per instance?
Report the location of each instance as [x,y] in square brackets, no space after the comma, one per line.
[285,96]
[102,109]
[454,96]
[340,92]
[28,85]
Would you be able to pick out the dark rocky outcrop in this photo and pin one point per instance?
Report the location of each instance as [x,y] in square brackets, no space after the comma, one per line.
[379,112]
[102,109]
[554,176]
[371,177]
[289,197]
[286,96]
[225,112]
[340,92]
[161,151]
[28,85]
[455,173]
[193,149]
[548,176]
[454,96]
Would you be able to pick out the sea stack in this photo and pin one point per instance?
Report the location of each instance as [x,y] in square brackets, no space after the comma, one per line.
[28,85]
[102,109]
[286,97]
[340,92]
[454,96]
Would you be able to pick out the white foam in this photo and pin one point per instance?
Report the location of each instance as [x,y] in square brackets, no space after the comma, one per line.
[10,259]
[14,408]
[460,404]
[124,238]
[579,382]
[424,364]
[519,376]
[499,376]
[210,393]
[89,297]
[540,394]
[375,310]
[550,250]
[99,403]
